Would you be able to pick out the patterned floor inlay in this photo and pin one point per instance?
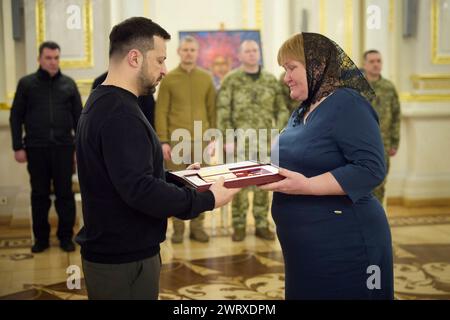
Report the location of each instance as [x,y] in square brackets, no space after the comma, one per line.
[415,221]
[421,267]
[422,271]
[15,242]
[252,276]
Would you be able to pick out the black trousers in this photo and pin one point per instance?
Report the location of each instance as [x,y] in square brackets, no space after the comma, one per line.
[47,165]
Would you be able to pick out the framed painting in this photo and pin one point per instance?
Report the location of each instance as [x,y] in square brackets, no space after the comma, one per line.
[218,50]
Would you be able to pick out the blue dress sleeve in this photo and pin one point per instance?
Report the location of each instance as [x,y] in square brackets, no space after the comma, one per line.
[358,136]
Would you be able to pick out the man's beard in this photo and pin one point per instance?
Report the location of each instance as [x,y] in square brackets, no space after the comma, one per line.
[147,84]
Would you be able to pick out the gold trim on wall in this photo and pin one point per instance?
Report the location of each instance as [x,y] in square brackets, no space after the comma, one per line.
[4,106]
[411,97]
[348,24]
[40,22]
[146,8]
[88,60]
[391,15]
[84,86]
[348,28]
[362,29]
[430,81]
[400,201]
[322,17]
[258,6]
[435,57]
[258,14]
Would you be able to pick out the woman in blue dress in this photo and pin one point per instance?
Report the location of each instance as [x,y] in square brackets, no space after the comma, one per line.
[334,233]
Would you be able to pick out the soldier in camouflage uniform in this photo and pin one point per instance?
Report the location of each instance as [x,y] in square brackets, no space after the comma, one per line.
[250,98]
[387,106]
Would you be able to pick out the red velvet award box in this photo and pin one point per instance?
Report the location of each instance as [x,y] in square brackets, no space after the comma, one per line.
[237,175]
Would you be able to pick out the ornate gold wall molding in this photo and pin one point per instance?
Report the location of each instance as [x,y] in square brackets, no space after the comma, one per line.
[411,97]
[4,106]
[88,60]
[258,14]
[401,201]
[430,81]
[84,86]
[391,15]
[435,27]
[362,29]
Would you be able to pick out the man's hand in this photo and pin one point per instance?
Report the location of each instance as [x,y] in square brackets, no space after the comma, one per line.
[392,152]
[166,151]
[222,195]
[20,156]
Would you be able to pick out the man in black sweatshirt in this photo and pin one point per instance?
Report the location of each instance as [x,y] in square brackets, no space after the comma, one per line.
[125,196]
[146,103]
[47,105]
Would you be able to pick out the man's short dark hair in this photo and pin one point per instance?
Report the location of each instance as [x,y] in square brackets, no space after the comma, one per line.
[49,45]
[370,52]
[134,33]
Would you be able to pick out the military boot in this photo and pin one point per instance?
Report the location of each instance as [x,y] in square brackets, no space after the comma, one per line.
[265,233]
[199,235]
[238,234]
[178,230]
[197,230]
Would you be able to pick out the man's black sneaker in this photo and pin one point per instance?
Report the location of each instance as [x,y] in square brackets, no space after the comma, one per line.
[39,247]
[67,245]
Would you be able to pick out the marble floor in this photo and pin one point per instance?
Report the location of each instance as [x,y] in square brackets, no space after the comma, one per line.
[222,269]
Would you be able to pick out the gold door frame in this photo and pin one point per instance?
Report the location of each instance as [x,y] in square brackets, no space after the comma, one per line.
[88,60]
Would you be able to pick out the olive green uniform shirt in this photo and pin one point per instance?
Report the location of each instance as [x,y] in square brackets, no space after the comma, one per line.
[182,99]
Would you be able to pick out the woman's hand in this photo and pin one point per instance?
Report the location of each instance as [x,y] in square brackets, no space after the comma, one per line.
[294,183]
[194,166]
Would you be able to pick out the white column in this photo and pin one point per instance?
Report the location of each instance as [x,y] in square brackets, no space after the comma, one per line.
[421,170]
[275,30]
